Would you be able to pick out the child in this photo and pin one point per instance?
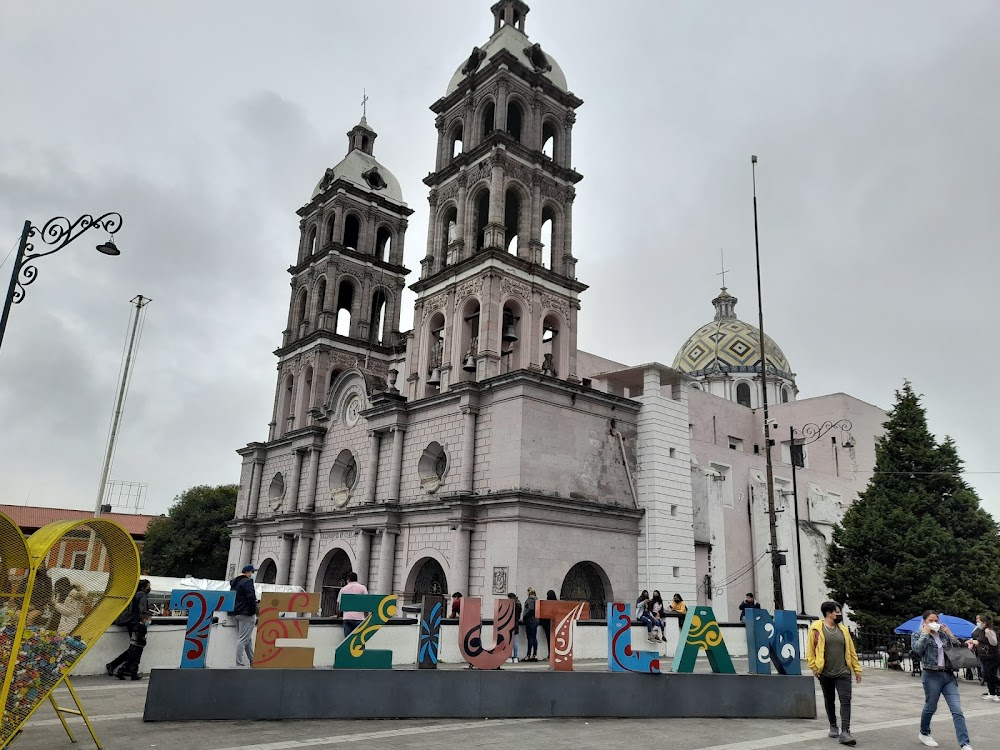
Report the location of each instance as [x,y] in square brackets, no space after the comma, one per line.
[137,643]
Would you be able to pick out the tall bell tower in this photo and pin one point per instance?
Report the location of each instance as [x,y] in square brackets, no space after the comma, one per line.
[498,289]
[346,285]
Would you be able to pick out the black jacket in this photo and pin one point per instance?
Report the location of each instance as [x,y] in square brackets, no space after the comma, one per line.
[246,596]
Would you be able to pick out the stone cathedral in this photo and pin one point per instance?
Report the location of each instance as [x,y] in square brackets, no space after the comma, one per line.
[480,451]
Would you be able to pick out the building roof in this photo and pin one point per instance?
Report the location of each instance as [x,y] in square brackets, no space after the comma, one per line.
[729,344]
[363,170]
[515,42]
[30,518]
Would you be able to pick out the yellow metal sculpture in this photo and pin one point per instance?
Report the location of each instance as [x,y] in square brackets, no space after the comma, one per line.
[59,591]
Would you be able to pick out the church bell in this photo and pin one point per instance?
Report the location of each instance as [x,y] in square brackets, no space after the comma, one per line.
[435,376]
[508,331]
[470,363]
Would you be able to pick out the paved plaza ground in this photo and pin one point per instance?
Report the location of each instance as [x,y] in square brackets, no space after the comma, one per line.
[887,708]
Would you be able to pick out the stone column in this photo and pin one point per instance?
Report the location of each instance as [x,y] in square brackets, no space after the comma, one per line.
[364,557]
[386,562]
[460,220]
[293,484]
[468,449]
[567,243]
[460,563]
[375,439]
[284,559]
[501,105]
[396,471]
[496,192]
[535,230]
[302,559]
[254,500]
[338,222]
[314,454]
[246,553]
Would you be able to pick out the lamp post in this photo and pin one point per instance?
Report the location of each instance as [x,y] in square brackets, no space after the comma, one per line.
[777,559]
[809,433]
[57,233]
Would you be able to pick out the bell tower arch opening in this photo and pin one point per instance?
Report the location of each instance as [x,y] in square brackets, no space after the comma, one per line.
[469,341]
[345,307]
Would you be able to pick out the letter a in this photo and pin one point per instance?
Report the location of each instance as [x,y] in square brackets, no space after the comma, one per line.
[773,640]
[701,631]
[470,633]
[621,657]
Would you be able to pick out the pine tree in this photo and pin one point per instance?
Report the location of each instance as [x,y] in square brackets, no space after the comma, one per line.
[917,537]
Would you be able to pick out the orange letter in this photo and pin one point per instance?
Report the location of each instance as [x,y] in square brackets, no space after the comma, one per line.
[562,614]
[470,633]
[270,627]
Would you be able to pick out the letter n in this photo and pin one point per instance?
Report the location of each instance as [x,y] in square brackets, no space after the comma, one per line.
[773,640]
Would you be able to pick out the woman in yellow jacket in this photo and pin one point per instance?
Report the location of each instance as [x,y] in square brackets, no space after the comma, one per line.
[833,659]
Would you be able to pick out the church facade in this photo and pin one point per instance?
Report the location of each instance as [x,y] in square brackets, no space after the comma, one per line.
[480,451]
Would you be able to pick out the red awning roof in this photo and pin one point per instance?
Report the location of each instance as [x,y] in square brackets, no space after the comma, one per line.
[30,518]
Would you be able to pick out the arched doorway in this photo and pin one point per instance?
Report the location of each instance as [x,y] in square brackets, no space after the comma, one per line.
[338,565]
[429,579]
[585,582]
[268,572]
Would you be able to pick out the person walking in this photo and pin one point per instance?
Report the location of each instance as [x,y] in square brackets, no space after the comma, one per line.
[137,642]
[748,603]
[138,610]
[833,659]
[530,620]
[245,610]
[546,624]
[517,619]
[937,678]
[351,619]
[984,640]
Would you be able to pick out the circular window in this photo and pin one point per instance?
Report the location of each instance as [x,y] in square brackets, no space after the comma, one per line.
[374,178]
[276,492]
[352,410]
[343,478]
[432,467]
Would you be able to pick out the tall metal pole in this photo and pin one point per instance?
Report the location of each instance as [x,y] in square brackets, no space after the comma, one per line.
[776,561]
[139,302]
[13,278]
[798,532]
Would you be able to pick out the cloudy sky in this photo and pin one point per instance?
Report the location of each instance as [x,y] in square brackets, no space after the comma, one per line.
[208,124]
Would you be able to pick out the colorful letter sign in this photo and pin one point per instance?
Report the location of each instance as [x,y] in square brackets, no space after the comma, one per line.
[701,631]
[470,633]
[562,614]
[429,635]
[351,653]
[201,606]
[271,626]
[773,640]
[621,657]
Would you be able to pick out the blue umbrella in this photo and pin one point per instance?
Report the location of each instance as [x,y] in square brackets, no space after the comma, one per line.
[961,628]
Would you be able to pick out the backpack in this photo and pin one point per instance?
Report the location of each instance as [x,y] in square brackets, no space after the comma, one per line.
[130,616]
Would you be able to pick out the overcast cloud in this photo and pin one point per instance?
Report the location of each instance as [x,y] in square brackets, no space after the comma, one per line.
[208,124]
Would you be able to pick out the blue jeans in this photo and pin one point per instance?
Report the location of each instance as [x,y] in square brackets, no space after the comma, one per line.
[937,684]
[350,625]
[647,620]
[531,631]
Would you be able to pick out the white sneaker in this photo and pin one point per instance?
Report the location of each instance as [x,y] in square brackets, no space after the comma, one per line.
[996,698]
[927,740]
[966,747]
[987,697]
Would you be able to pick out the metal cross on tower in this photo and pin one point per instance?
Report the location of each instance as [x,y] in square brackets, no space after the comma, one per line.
[724,271]
[364,103]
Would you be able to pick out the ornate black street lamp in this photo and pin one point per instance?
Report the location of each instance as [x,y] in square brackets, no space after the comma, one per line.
[798,438]
[57,233]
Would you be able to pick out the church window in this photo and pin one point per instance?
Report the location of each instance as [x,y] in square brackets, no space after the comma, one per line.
[334,373]
[510,340]
[331,225]
[376,326]
[364,143]
[285,416]
[515,120]
[428,580]
[551,363]
[512,219]
[489,119]
[352,232]
[268,572]
[321,295]
[312,240]
[345,304]
[784,395]
[743,394]
[432,467]
[276,492]
[547,232]
[301,307]
[456,143]
[435,354]
[469,343]
[335,572]
[383,243]
[449,234]
[482,217]
[343,478]
[549,138]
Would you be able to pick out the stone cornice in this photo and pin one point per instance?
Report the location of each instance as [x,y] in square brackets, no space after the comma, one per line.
[336,247]
[356,192]
[324,333]
[505,258]
[496,138]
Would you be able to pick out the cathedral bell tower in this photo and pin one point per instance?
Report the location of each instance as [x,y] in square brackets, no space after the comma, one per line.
[498,289]
[347,283]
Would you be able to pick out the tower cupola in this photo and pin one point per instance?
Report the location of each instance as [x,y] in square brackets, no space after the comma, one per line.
[509,13]
[362,138]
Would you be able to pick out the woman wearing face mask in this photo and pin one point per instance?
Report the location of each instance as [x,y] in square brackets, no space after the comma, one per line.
[984,640]
[937,678]
[833,659]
